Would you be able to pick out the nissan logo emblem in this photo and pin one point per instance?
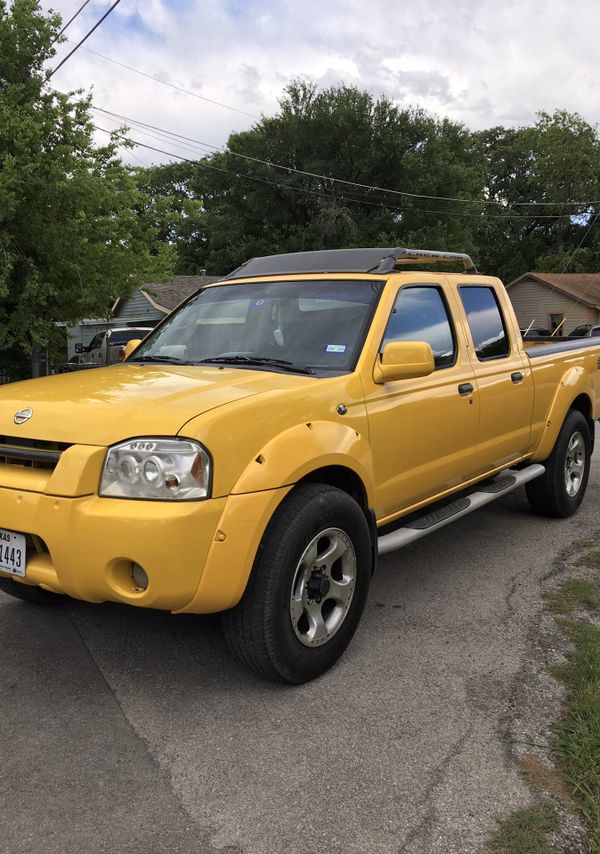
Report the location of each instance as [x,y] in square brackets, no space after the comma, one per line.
[23,415]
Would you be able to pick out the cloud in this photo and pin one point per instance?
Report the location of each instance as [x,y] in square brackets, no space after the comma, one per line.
[476,61]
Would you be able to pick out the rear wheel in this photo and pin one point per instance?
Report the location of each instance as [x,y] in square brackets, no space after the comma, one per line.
[29,593]
[308,587]
[561,489]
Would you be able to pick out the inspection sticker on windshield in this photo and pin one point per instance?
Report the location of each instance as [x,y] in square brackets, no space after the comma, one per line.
[335,348]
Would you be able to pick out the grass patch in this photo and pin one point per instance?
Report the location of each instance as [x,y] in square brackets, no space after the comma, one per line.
[547,779]
[589,559]
[525,831]
[571,594]
[577,737]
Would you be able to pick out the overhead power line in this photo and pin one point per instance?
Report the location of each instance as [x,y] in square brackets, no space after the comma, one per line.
[307,191]
[192,144]
[84,39]
[305,173]
[171,85]
[70,21]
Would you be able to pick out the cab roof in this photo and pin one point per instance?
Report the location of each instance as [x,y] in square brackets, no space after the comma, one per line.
[376,261]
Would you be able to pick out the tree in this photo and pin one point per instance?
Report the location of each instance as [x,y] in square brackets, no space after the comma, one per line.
[557,160]
[74,226]
[252,208]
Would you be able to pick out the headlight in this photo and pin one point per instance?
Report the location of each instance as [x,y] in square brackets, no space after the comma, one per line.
[159,469]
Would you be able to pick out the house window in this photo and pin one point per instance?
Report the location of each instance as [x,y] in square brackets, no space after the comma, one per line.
[556,320]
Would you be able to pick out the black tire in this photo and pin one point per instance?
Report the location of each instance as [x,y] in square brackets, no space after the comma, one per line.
[260,630]
[548,495]
[28,593]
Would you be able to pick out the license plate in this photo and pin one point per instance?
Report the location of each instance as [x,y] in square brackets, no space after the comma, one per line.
[13,552]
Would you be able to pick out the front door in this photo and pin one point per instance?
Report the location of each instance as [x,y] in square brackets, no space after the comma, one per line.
[423,431]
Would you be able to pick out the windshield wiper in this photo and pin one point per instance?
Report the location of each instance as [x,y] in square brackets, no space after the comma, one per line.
[256,360]
[168,360]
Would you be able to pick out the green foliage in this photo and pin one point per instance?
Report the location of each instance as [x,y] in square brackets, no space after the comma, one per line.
[525,831]
[571,594]
[556,160]
[74,226]
[253,209]
[246,207]
[577,738]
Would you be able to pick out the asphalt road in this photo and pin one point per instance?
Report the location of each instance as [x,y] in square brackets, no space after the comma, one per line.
[129,731]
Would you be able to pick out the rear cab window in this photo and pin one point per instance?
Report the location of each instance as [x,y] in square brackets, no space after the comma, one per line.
[486,322]
[420,313]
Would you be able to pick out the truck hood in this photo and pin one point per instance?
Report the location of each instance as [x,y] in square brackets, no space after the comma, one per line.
[107,405]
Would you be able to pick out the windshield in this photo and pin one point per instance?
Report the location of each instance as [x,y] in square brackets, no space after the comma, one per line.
[300,324]
[122,336]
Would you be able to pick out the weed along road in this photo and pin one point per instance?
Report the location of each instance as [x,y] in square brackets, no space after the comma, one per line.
[135,731]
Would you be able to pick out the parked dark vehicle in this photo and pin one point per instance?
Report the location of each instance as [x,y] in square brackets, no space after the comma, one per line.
[586,330]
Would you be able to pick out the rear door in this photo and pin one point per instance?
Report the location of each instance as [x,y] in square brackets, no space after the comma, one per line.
[504,378]
[423,431]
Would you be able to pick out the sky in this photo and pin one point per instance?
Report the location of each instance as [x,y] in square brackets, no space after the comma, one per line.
[481,62]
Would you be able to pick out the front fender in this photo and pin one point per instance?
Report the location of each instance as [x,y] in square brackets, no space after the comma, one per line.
[575,381]
[301,450]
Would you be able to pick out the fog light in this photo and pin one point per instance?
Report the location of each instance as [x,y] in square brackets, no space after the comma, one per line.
[140,577]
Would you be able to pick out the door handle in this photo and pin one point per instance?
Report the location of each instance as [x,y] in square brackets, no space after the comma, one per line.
[465,389]
[517,377]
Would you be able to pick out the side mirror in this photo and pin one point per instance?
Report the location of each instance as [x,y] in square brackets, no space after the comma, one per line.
[131,345]
[404,360]
[79,349]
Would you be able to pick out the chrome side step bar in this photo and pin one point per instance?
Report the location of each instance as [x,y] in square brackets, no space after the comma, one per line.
[483,493]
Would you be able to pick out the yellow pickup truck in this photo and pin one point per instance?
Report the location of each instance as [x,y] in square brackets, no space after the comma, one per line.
[277,432]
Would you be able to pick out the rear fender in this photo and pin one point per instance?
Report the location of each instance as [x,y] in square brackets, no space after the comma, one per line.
[575,381]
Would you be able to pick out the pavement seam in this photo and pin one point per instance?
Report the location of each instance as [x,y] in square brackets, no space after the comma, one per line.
[136,735]
[437,778]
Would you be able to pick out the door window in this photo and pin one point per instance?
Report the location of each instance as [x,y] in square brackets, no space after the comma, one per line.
[97,340]
[421,314]
[485,322]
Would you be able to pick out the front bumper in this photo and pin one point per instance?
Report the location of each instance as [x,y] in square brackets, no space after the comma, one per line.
[197,555]
[92,542]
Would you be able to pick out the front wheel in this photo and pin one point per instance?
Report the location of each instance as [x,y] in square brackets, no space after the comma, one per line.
[560,490]
[307,589]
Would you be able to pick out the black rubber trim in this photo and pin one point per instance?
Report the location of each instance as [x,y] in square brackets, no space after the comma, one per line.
[372,521]
[434,517]
[498,485]
[562,347]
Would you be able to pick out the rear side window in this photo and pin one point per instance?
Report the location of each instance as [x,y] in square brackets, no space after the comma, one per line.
[486,322]
[421,314]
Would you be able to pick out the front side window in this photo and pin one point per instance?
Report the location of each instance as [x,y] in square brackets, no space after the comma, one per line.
[97,340]
[485,322]
[420,314]
[312,324]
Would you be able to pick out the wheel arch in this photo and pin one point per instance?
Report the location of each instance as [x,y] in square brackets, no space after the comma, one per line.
[571,394]
[583,404]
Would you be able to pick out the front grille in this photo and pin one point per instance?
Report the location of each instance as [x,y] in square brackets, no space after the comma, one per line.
[31,453]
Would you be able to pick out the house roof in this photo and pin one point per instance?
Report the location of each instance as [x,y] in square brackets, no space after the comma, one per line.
[583,287]
[165,296]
